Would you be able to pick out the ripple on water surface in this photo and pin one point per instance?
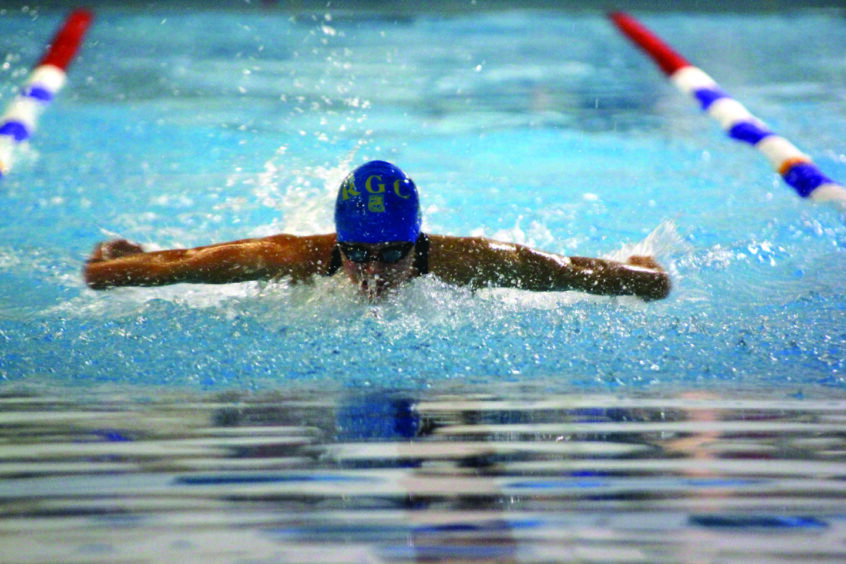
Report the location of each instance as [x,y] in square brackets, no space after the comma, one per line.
[452,474]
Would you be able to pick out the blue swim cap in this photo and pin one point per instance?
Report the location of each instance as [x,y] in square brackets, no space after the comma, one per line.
[377,203]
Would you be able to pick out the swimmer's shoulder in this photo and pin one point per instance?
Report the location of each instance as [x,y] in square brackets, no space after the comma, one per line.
[300,256]
[317,242]
[456,260]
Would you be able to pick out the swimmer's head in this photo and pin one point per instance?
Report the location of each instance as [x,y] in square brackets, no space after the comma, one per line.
[377,203]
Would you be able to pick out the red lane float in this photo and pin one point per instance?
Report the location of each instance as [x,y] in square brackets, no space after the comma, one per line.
[795,167]
[46,80]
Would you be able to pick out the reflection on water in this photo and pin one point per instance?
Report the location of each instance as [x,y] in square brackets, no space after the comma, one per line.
[448,475]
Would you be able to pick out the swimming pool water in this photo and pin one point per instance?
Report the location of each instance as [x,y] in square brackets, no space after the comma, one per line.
[268,422]
[519,474]
[187,128]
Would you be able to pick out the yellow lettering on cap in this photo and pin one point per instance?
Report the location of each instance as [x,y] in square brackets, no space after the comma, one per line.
[368,185]
[348,188]
[376,204]
[397,183]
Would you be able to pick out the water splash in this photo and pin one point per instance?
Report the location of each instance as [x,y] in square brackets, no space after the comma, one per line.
[303,196]
[663,241]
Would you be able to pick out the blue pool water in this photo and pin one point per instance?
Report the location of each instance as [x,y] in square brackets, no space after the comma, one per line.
[188,128]
[299,418]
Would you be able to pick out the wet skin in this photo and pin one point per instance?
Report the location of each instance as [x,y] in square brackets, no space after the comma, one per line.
[374,278]
[475,262]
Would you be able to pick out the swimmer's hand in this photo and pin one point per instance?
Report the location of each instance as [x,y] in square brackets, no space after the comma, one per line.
[644,262]
[116,248]
[654,283]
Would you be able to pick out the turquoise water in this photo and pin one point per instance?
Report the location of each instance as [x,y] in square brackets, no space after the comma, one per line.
[517,474]
[283,418]
[183,129]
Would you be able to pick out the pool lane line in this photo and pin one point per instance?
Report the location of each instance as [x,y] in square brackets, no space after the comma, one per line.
[47,78]
[795,167]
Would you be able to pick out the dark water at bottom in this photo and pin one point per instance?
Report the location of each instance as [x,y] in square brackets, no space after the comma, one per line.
[464,473]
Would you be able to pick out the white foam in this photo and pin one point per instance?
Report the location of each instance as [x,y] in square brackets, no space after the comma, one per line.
[662,241]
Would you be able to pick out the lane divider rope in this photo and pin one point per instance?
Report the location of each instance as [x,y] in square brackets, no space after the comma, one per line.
[795,167]
[47,78]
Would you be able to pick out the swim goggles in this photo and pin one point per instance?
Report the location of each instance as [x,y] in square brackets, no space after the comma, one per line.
[390,254]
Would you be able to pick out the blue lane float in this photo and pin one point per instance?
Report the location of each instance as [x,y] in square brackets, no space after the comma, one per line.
[795,167]
[20,119]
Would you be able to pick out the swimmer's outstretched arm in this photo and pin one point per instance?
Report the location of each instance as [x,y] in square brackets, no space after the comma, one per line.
[121,263]
[480,262]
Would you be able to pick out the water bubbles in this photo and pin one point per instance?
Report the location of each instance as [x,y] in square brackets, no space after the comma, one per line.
[765,252]
[248,131]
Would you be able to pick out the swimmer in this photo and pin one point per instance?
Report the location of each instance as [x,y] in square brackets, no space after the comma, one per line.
[378,245]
